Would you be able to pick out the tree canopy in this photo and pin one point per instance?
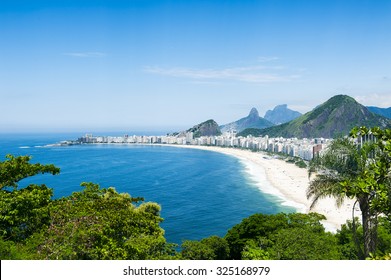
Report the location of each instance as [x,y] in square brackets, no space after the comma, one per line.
[282,236]
[96,223]
[357,167]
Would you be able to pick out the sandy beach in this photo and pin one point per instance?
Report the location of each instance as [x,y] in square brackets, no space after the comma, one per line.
[289,183]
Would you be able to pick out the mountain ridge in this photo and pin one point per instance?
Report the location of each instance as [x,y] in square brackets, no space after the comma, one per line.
[253,120]
[333,118]
[385,112]
[281,114]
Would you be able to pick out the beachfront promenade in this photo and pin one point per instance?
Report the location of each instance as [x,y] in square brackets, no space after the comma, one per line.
[302,148]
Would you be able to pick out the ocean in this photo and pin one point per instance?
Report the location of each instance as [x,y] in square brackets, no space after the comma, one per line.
[202,193]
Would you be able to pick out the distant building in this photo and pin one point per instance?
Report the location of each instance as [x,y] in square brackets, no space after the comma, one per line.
[303,148]
[189,137]
[316,150]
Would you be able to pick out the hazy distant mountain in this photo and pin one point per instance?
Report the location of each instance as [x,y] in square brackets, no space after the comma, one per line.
[335,117]
[207,128]
[281,114]
[385,112]
[253,120]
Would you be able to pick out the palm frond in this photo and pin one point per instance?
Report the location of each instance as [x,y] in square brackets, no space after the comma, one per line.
[343,161]
[323,186]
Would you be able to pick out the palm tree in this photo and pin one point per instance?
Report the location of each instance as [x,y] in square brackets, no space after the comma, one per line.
[343,171]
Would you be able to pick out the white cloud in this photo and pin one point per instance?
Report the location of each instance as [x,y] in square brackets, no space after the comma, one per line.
[302,108]
[250,74]
[267,58]
[85,54]
[379,100]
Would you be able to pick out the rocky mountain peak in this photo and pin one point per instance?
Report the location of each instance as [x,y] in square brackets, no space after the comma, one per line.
[281,114]
[254,113]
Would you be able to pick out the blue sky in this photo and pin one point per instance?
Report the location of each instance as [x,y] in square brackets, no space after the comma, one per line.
[167,65]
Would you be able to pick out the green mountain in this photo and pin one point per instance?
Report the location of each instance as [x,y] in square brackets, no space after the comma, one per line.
[385,112]
[253,120]
[250,131]
[207,128]
[281,114]
[335,117]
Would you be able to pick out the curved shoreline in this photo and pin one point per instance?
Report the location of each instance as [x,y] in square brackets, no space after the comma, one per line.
[287,182]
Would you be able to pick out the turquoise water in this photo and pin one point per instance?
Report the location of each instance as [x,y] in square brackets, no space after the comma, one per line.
[202,193]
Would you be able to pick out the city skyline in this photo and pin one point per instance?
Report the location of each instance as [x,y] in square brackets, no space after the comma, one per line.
[167,65]
[304,148]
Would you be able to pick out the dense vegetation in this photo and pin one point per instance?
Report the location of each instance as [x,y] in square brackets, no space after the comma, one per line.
[358,167]
[385,112]
[255,132]
[93,224]
[99,223]
[334,118]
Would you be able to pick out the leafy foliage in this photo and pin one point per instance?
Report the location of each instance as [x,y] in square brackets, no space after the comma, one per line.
[303,243]
[22,211]
[15,169]
[210,248]
[282,236]
[255,132]
[102,224]
[357,167]
[253,251]
[96,223]
[351,240]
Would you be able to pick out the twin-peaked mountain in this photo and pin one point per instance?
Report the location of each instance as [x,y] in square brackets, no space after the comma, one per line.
[253,120]
[279,114]
[335,117]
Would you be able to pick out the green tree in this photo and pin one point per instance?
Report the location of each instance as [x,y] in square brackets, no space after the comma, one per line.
[304,243]
[14,169]
[348,234]
[22,211]
[253,250]
[252,228]
[350,240]
[210,248]
[356,167]
[282,236]
[384,236]
[196,250]
[96,223]
[100,223]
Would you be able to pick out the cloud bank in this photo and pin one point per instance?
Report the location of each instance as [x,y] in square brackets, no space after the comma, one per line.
[85,54]
[250,74]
